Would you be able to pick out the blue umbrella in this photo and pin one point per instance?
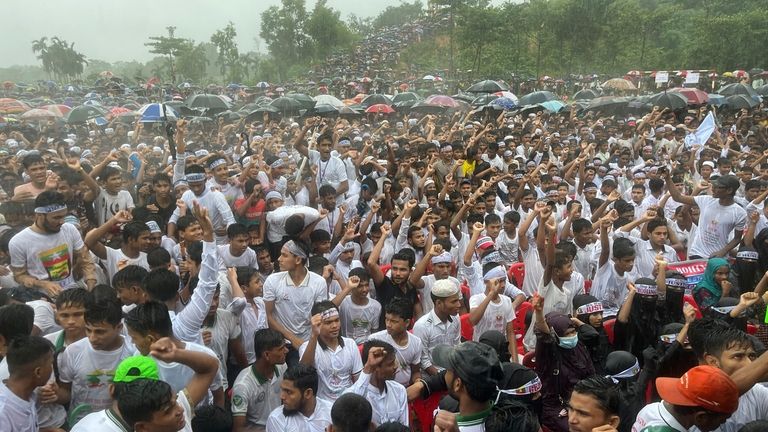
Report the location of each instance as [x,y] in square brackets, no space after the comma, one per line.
[152,113]
[553,105]
[101,121]
[716,99]
[504,102]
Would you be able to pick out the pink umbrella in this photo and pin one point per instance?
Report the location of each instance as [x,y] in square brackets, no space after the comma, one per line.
[12,106]
[380,109]
[60,110]
[442,100]
[116,111]
[38,114]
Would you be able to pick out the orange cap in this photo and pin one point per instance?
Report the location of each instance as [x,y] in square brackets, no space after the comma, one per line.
[702,386]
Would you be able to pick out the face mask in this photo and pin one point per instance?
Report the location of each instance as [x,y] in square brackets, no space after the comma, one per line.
[568,342]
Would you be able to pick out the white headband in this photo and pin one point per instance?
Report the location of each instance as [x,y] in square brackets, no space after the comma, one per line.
[628,373]
[589,308]
[495,273]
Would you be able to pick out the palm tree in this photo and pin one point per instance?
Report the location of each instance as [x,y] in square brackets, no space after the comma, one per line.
[41,46]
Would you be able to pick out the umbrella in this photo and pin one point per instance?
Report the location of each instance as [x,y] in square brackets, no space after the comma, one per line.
[671,100]
[504,102]
[405,96]
[762,90]
[605,103]
[346,111]
[466,97]
[508,95]
[92,102]
[487,86]
[267,109]
[619,84]
[380,109]
[204,100]
[229,116]
[634,73]
[38,114]
[12,106]
[484,100]
[326,110]
[442,100]
[83,113]
[262,85]
[585,94]
[116,111]
[155,112]
[376,99]
[428,78]
[286,105]
[737,88]
[740,74]
[200,120]
[59,110]
[306,101]
[92,95]
[537,97]
[693,95]
[427,108]
[739,101]
[326,99]
[404,104]
[716,99]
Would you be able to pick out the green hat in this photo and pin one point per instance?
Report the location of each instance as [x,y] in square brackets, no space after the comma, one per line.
[136,367]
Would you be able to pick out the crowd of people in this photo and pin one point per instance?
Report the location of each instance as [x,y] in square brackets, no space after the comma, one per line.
[452,271]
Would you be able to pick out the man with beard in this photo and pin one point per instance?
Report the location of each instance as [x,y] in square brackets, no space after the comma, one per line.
[44,255]
[302,410]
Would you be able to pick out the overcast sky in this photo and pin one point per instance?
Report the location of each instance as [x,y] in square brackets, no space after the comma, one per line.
[113,30]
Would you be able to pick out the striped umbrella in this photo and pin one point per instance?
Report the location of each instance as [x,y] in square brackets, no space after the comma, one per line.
[60,110]
[38,114]
[12,106]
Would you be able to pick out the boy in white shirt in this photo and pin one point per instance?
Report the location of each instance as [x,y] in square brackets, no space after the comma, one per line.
[135,239]
[337,360]
[492,310]
[30,363]
[237,253]
[359,313]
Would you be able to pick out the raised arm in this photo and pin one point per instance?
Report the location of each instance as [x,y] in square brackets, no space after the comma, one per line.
[204,365]
[92,239]
[421,267]
[373,260]
[676,194]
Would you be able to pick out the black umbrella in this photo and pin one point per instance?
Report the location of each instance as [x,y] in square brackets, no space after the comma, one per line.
[326,110]
[537,97]
[487,86]
[671,100]
[348,112]
[429,108]
[737,88]
[229,116]
[484,100]
[405,96]
[207,101]
[585,94]
[306,101]
[606,103]
[740,101]
[375,99]
[762,90]
[286,105]
[83,113]
[466,97]
[403,105]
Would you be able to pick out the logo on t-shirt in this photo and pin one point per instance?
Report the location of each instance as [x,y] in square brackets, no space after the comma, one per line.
[56,262]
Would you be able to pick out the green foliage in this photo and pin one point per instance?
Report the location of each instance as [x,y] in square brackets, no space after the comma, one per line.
[398,15]
[229,55]
[326,30]
[282,28]
[170,46]
[59,58]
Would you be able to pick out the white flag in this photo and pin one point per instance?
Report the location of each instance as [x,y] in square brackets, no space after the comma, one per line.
[701,135]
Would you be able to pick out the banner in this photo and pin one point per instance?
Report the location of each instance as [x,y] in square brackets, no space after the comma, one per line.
[662,77]
[693,270]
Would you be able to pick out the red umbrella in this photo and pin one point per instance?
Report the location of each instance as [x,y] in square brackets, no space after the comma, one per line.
[60,110]
[694,95]
[116,111]
[12,106]
[380,109]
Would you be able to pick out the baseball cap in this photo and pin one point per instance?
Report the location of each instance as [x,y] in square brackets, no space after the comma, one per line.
[728,182]
[471,361]
[702,386]
[136,367]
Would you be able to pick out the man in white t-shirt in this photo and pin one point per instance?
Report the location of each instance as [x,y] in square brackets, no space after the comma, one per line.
[330,169]
[112,198]
[720,217]
[302,410]
[45,255]
[704,398]
[237,253]
[30,363]
[135,236]
[141,401]
[492,310]
[256,392]
[399,313]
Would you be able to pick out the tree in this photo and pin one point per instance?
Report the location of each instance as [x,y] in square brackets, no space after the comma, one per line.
[60,58]
[170,46]
[282,30]
[229,55]
[191,62]
[326,30]
[399,15]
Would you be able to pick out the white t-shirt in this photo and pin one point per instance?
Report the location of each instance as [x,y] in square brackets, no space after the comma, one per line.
[47,256]
[117,260]
[507,247]
[496,316]
[293,303]
[358,322]
[434,332]
[108,205]
[656,414]
[225,328]
[610,288]
[389,405]
[253,317]
[255,397]
[297,422]
[17,414]
[716,225]
[90,372]
[407,355]
[226,259]
[534,272]
[178,375]
[331,172]
[44,316]
[104,420]
[335,368]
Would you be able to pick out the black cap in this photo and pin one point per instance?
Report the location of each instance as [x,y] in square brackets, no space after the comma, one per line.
[471,361]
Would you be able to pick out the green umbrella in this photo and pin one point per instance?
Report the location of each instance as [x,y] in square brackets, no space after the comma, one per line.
[306,101]
[84,113]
